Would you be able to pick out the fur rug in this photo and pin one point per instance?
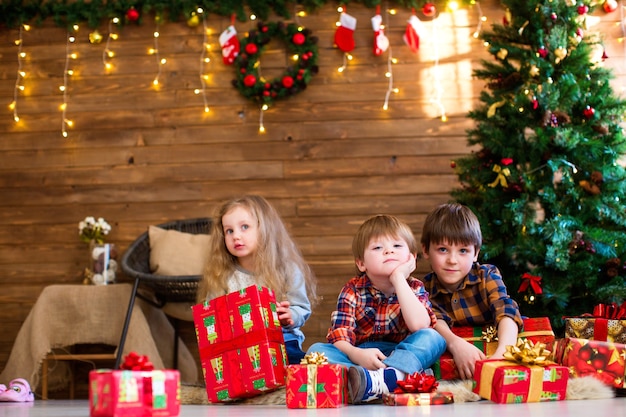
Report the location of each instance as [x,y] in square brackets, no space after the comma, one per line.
[585,388]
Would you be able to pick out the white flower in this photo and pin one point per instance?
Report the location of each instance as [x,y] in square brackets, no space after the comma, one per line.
[90,229]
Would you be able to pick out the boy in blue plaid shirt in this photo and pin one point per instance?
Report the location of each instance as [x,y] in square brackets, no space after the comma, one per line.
[462,291]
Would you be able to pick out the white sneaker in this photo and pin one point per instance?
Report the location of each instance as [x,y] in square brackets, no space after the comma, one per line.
[365,385]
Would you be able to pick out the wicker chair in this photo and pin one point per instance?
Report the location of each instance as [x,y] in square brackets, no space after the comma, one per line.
[160,289]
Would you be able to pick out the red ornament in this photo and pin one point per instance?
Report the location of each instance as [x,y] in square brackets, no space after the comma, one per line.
[287,81]
[452,164]
[589,112]
[298,39]
[252,49]
[429,10]
[249,80]
[132,14]
[610,6]
[583,9]
[553,16]
[506,161]
[542,51]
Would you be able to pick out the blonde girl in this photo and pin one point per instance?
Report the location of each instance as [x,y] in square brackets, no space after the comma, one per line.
[250,245]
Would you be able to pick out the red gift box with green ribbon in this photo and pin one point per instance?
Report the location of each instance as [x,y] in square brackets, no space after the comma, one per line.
[603,360]
[241,344]
[485,338]
[126,393]
[312,385]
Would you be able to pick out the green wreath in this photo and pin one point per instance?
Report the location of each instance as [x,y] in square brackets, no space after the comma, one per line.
[295,78]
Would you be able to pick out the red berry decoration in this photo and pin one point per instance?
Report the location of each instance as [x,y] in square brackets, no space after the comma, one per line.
[429,10]
[287,81]
[610,6]
[298,39]
[132,14]
[583,9]
[589,112]
[249,80]
[251,49]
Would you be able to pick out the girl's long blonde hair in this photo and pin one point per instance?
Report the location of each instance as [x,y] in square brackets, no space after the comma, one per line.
[277,257]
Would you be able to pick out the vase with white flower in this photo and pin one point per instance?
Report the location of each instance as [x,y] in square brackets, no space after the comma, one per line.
[102,264]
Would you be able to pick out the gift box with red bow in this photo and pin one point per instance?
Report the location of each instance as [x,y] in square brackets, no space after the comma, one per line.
[485,338]
[417,389]
[241,344]
[526,376]
[606,323]
[137,391]
[316,384]
[603,360]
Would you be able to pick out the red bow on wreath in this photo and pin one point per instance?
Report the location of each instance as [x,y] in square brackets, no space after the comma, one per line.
[136,362]
[610,311]
[417,383]
[531,280]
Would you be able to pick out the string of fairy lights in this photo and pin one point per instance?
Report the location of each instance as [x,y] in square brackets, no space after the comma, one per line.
[108,55]
[204,59]
[21,74]
[67,73]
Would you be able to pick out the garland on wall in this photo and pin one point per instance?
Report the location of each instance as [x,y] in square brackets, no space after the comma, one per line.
[14,13]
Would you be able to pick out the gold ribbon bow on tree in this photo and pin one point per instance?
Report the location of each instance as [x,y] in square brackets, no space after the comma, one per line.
[501,178]
[527,353]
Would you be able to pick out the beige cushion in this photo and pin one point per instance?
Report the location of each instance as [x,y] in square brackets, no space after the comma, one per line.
[174,253]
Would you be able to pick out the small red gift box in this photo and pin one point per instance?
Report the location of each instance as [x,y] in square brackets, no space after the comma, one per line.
[509,382]
[317,386]
[537,330]
[424,398]
[603,360]
[241,344]
[134,393]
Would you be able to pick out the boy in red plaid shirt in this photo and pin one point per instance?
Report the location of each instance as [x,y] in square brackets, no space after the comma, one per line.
[383,326]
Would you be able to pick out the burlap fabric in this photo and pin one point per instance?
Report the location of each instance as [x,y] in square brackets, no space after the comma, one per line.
[65,315]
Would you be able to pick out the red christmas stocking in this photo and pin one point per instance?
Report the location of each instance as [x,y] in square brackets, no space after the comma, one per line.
[344,36]
[381,43]
[414,29]
[230,45]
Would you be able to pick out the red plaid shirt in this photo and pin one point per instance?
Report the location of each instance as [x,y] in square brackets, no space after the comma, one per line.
[365,314]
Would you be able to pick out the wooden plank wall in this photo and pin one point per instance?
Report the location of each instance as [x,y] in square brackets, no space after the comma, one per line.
[330,157]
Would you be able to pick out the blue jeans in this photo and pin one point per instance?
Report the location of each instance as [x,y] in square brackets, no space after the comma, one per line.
[416,353]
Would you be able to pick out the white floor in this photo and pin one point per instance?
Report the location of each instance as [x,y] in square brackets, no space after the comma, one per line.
[582,408]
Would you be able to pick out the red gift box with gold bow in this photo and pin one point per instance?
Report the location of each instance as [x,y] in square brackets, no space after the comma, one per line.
[417,389]
[485,338]
[603,360]
[316,384]
[606,323]
[241,344]
[127,393]
[525,376]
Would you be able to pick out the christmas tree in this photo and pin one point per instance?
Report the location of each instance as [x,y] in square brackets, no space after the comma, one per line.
[545,180]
